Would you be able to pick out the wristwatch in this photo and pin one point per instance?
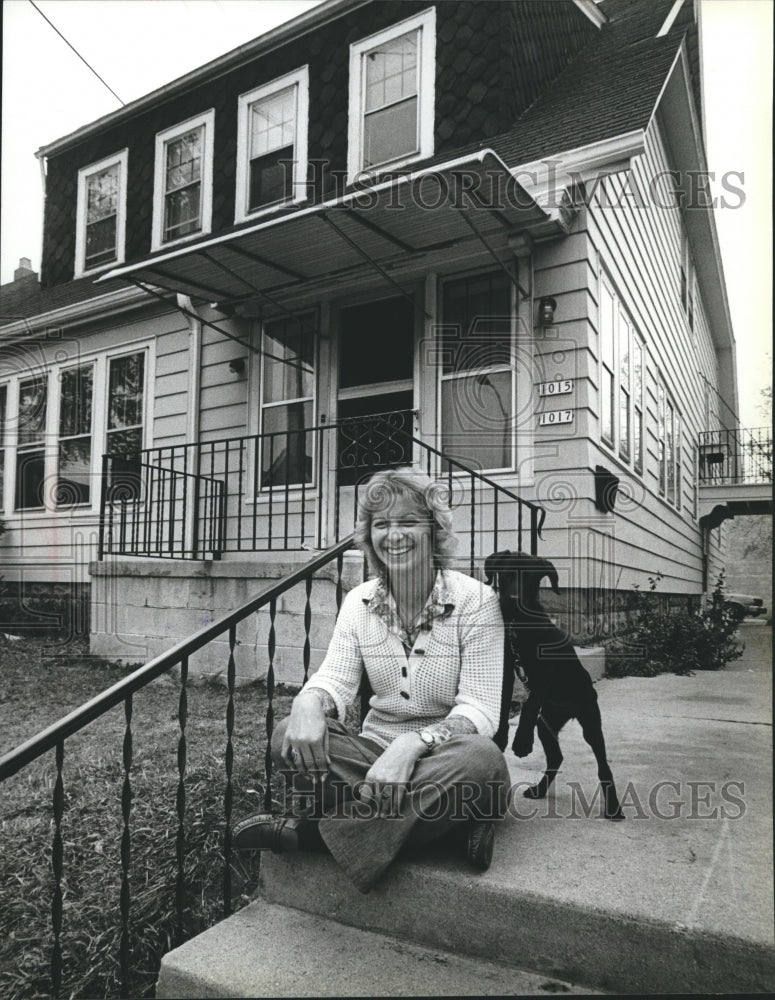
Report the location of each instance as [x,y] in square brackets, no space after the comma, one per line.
[428,739]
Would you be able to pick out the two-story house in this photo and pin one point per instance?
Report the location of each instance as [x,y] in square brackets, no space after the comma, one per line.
[468,235]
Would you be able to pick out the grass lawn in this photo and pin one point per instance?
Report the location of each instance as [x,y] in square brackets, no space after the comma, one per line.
[38,685]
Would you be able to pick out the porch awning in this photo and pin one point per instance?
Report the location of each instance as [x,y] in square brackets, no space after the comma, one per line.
[475,197]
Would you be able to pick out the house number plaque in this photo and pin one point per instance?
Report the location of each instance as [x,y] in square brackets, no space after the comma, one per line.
[555,417]
[558,388]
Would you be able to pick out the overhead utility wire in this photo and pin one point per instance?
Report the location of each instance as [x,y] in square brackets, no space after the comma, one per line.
[88,65]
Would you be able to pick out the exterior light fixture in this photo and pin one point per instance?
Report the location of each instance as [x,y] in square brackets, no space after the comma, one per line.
[237,365]
[546,307]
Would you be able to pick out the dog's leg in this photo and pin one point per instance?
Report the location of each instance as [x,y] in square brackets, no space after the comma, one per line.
[528,717]
[501,738]
[592,729]
[549,726]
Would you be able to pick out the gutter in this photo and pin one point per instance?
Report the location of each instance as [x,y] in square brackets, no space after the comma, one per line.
[112,302]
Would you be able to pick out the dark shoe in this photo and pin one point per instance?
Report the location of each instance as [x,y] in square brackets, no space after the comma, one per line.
[264,832]
[481,838]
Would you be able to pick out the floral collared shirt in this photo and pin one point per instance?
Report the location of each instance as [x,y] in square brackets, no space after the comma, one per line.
[440,604]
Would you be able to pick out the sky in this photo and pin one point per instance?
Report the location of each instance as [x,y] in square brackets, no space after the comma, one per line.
[139,45]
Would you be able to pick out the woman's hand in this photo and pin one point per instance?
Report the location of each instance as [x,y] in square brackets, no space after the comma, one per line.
[305,744]
[386,780]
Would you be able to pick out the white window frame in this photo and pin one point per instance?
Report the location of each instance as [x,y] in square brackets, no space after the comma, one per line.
[207,120]
[510,366]
[122,159]
[265,490]
[425,23]
[666,405]
[4,443]
[100,360]
[75,366]
[626,452]
[300,80]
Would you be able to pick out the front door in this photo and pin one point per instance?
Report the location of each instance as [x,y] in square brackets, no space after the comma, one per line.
[375,400]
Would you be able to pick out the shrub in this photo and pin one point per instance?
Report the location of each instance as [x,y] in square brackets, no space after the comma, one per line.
[679,642]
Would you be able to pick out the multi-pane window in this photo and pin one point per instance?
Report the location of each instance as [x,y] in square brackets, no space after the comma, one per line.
[477,380]
[183,183]
[59,417]
[391,95]
[621,379]
[272,144]
[3,403]
[287,391]
[75,436]
[390,105]
[669,444]
[637,403]
[126,407]
[101,214]
[608,314]
[31,443]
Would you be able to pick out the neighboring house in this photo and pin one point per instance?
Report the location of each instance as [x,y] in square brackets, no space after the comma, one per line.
[466,234]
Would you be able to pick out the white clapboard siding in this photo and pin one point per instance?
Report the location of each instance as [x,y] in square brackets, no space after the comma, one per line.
[640,248]
[58,546]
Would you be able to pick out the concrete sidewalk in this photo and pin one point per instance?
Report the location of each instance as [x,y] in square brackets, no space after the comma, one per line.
[678,898]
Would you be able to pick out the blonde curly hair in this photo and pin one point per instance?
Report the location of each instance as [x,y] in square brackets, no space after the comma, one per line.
[381,493]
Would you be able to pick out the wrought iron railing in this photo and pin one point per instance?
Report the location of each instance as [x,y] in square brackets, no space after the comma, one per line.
[735,457]
[290,489]
[120,695]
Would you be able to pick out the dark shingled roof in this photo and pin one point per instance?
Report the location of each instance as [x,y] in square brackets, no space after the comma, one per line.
[609,89]
[26,299]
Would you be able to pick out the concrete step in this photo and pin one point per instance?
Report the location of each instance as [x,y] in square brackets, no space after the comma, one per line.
[267,950]
[677,898]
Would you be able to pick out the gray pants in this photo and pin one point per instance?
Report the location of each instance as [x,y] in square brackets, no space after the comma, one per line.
[465,778]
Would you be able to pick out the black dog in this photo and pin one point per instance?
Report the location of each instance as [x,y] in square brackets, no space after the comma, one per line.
[559,687]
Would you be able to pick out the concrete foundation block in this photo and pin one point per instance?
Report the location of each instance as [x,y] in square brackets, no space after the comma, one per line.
[593,660]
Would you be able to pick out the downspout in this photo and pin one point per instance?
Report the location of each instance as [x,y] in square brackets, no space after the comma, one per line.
[192,415]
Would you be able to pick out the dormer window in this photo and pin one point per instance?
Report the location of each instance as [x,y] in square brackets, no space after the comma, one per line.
[272,144]
[182,204]
[392,84]
[101,214]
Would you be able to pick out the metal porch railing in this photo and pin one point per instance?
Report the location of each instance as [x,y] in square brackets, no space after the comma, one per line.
[275,491]
[120,695]
[735,457]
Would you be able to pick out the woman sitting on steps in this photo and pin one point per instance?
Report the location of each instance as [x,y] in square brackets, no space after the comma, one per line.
[431,642]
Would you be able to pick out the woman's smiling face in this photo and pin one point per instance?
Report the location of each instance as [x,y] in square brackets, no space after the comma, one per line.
[401,535]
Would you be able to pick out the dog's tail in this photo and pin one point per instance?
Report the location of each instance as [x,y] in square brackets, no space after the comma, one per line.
[550,572]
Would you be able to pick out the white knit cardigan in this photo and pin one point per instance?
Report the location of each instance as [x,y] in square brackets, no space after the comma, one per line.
[454,669]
